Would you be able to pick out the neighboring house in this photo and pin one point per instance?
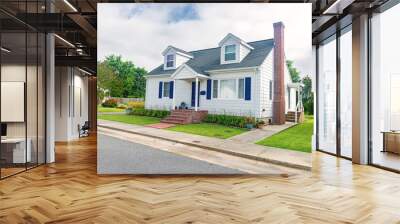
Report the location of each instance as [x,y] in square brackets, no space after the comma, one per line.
[236,78]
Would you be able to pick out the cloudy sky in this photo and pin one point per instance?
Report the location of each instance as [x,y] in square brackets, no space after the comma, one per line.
[141,31]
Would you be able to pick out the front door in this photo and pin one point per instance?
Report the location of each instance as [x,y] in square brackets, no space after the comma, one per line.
[193,94]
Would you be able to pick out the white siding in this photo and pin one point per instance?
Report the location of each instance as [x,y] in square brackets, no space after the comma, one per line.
[266,75]
[239,107]
[243,52]
[152,101]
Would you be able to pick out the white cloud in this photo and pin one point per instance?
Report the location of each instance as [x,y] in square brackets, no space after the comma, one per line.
[140,31]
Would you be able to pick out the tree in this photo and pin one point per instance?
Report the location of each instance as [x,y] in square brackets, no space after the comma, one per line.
[123,79]
[294,73]
[307,95]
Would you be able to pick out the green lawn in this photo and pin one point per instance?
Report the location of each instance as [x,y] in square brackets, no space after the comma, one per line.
[101,109]
[296,138]
[129,119]
[210,130]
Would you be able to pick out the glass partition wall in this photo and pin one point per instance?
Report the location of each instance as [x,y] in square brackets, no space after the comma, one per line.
[334,104]
[327,95]
[22,77]
[385,90]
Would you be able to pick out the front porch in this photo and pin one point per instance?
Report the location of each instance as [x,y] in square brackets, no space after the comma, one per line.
[186,94]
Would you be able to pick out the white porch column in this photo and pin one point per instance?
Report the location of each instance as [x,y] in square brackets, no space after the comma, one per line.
[196,95]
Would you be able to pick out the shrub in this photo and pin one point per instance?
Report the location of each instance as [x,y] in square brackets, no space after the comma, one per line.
[229,120]
[150,113]
[136,104]
[121,106]
[110,103]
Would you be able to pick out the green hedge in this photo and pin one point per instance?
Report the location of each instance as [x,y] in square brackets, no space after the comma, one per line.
[110,103]
[229,120]
[150,113]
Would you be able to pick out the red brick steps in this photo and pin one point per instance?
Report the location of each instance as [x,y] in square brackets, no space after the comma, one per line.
[185,117]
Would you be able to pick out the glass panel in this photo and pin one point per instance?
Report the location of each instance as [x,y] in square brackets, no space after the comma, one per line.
[13,79]
[41,98]
[228,89]
[31,98]
[327,96]
[230,52]
[166,89]
[385,84]
[346,94]
[241,89]
[215,88]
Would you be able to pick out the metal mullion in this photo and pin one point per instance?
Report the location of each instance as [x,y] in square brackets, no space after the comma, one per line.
[338,95]
[26,87]
[317,97]
[37,91]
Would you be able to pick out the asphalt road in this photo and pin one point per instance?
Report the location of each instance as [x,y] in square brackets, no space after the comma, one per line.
[116,156]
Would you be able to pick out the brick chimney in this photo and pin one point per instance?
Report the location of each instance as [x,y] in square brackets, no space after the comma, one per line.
[278,114]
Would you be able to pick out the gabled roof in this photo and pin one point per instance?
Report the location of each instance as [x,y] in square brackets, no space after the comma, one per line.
[230,35]
[209,59]
[178,50]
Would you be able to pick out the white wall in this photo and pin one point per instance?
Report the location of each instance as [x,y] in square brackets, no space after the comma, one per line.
[69,112]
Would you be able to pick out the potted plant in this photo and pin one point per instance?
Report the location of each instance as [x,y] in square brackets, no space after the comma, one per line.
[249,122]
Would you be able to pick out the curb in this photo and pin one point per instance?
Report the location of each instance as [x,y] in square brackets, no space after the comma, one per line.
[246,156]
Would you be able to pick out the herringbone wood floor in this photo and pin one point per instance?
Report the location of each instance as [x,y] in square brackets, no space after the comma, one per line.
[69,191]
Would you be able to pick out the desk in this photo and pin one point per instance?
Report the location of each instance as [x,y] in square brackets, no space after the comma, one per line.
[391,141]
[16,153]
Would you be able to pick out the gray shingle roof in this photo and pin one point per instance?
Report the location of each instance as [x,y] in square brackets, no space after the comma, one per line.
[209,59]
[180,50]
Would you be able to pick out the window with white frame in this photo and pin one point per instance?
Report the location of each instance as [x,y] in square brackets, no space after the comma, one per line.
[230,52]
[215,88]
[166,89]
[241,89]
[170,61]
[228,89]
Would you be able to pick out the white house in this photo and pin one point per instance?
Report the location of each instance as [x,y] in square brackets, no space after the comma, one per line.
[236,78]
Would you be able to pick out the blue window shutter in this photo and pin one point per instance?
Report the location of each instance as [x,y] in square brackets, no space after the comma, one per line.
[247,88]
[209,89]
[171,89]
[160,90]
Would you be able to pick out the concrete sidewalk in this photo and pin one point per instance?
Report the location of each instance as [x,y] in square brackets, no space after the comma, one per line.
[276,156]
[255,135]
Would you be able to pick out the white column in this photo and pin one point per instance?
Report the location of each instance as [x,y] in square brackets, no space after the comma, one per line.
[196,95]
[360,90]
[50,92]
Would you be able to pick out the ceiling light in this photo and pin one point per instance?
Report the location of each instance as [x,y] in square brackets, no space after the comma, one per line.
[5,50]
[338,6]
[70,5]
[64,40]
[86,72]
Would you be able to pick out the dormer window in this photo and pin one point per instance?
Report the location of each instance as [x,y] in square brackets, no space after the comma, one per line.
[230,52]
[170,61]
